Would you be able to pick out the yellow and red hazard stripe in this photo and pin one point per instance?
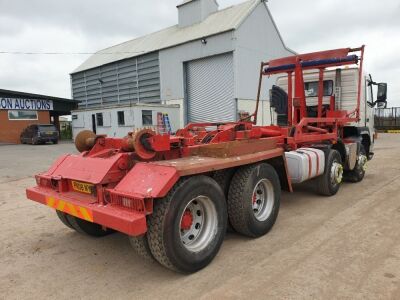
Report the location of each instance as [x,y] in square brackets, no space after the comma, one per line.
[72,209]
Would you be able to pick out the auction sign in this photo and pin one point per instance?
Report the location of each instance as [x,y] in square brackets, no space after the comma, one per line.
[25,104]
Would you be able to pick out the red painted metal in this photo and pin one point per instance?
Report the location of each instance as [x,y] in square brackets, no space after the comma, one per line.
[309,56]
[147,180]
[290,99]
[122,176]
[129,222]
[187,220]
[320,91]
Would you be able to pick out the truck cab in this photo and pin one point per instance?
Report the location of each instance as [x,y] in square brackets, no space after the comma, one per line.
[342,84]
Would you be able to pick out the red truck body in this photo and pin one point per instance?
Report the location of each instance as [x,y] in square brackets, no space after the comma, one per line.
[115,182]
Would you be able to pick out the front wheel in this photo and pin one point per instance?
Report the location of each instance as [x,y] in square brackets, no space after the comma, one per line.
[358,173]
[187,226]
[328,184]
[254,199]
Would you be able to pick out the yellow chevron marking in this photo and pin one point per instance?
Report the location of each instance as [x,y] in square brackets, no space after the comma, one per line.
[50,201]
[69,208]
[88,216]
[61,205]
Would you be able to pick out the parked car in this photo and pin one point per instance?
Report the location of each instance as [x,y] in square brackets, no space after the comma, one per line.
[39,134]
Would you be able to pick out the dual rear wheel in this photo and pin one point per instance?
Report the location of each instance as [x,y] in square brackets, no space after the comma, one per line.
[188,226]
[82,226]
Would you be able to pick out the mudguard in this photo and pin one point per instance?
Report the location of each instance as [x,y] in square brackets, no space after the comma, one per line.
[147,180]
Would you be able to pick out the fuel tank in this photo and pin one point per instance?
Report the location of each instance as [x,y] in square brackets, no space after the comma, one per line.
[305,163]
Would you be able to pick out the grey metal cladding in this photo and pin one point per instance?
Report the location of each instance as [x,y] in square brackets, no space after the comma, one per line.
[128,81]
[210,89]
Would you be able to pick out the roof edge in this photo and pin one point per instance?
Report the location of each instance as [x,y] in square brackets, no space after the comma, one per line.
[158,50]
[32,95]
[277,30]
[237,25]
[253,7]
[189,1]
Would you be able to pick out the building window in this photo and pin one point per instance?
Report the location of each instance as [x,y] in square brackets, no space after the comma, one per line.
[99,119]
[147,117]
[121,118]
[311,88]
[74,117]
[22,115]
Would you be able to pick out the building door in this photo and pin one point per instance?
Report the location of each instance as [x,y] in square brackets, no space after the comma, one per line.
[210,89]
[94,123]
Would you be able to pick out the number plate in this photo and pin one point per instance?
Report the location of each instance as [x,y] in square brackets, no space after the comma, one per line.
[82,187]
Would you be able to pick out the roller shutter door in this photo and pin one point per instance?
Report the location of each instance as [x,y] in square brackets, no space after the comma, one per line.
[210,89]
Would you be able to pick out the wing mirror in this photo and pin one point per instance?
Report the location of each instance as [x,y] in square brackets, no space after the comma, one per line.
[381,98]
[382,92]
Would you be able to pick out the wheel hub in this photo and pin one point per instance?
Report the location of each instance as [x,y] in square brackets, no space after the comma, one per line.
[263,199]
[187,220]
[362,161]
[336,173]
[198,224]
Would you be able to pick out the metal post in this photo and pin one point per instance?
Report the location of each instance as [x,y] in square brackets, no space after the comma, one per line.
[258,94]
[290,99]
[320,91]
[360,81]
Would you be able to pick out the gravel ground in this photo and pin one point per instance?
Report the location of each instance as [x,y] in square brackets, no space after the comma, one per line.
[346,247]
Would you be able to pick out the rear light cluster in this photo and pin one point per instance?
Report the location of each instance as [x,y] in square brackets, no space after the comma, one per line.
[58,185]
[134,204]
[45,182]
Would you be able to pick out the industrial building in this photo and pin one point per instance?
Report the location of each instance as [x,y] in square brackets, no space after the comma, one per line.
[208,64]
[18,110]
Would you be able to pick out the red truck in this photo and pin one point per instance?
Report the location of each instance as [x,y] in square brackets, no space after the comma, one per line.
[175,195]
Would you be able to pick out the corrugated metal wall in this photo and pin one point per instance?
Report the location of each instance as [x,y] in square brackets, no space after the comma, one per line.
[210,89]
[135,80]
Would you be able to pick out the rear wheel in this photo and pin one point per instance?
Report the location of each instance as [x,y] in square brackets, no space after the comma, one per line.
[187,226]
[63,218]
[328,184]
[140,245]
[87,228]
[254,199]
[224,178]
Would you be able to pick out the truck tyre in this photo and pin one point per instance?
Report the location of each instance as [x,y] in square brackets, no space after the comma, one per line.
[224,178]
[140,245]
[254,199]
[358,173]
[188,225]
[328,184]
[87,228]
[63,218]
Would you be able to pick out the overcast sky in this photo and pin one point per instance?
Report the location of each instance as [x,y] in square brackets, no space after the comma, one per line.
[90,25]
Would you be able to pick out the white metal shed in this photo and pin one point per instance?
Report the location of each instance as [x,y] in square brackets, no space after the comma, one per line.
[208,64]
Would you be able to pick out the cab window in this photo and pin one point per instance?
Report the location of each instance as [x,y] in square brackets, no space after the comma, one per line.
[311,88]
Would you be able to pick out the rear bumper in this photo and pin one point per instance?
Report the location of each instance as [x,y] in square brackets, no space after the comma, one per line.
[128,222]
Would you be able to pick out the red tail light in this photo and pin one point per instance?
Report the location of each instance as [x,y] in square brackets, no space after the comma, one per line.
[135,204]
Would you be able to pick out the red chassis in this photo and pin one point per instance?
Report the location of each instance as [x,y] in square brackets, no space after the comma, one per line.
[114,181]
